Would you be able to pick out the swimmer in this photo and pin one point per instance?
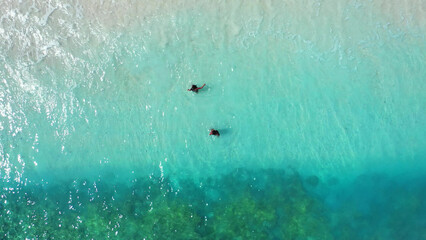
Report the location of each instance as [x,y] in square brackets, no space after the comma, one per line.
[195,89]
[214,132]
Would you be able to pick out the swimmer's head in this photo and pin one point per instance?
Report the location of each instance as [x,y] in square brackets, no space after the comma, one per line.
[214,132]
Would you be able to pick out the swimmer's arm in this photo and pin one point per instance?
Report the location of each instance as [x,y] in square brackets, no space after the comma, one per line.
[201,87]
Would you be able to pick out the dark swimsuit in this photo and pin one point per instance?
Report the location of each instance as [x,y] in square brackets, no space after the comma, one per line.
[215,132]
[194,88]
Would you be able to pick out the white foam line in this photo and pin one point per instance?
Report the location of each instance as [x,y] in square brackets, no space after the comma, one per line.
[43,21]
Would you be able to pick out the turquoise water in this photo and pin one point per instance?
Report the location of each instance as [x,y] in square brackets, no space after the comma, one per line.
[320,106]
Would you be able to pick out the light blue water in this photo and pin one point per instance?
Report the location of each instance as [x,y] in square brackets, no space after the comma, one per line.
[94,108]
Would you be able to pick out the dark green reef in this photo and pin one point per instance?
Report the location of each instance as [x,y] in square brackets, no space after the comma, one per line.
[244,204]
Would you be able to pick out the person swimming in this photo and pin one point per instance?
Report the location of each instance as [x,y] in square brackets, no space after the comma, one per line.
[195,89]
[214,132]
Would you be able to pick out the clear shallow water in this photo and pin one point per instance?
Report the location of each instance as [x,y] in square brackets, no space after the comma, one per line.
[320,107]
